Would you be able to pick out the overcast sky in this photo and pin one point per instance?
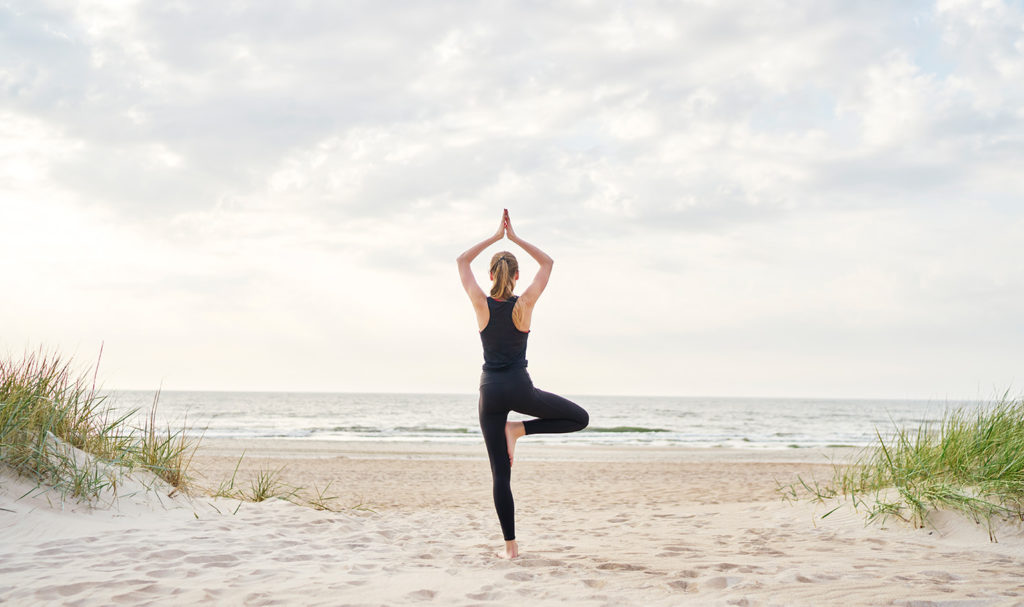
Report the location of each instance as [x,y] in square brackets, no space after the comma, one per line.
[817,198]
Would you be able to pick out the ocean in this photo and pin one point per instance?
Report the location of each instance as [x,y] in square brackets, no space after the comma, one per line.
[746,423]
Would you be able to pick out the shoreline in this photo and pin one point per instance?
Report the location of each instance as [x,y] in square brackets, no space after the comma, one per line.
[286,448]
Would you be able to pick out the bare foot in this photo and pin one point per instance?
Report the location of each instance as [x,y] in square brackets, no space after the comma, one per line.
[513,430]
[511,551]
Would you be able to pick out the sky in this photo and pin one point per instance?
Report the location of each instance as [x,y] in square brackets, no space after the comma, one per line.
[815,198]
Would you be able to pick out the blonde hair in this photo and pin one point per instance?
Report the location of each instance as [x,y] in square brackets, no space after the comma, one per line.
[503,269]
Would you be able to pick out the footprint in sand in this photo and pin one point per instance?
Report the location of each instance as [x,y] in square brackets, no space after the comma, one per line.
[677,548]
[941,575]
[295,558]
[422,595]
[259,598]
[789,577]
[127,598]
[519,576]
[168,554]
[537,562]
[72,589]
[212,560]
[151,589]
[721,582]
[620,567]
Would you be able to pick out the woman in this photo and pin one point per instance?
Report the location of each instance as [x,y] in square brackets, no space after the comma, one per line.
[504,323]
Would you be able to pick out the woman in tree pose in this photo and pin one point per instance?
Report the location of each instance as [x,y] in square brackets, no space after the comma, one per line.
[504,323]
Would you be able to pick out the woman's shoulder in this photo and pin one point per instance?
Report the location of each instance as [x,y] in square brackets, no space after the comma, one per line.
[521,303]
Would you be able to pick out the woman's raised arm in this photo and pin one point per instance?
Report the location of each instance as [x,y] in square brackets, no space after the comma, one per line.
[540,281]
[469,283]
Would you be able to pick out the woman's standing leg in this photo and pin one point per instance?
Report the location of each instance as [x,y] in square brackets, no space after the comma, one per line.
[492,424]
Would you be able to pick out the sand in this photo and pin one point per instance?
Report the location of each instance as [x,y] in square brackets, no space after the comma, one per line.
[597,526]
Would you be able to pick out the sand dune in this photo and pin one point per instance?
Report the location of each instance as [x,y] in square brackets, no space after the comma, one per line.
[609,527]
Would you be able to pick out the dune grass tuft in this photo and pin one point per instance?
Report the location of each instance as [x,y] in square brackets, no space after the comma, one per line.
[970,461]
[56,429]
[168,453]
[266,484]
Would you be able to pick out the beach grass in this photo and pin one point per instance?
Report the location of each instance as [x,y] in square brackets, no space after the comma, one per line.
[265,484]
[58,430]
[971,461]
[321,500]
[167,452]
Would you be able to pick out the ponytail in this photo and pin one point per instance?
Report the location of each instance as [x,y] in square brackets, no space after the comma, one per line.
[503,268]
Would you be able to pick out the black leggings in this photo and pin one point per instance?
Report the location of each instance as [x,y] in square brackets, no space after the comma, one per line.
[501,392]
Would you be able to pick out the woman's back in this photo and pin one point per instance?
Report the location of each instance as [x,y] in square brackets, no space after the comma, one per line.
[504,344]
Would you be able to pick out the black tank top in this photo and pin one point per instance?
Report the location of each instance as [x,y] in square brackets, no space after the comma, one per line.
[504,344]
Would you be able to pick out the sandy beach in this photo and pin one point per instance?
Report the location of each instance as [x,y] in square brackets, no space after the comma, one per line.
[596,525]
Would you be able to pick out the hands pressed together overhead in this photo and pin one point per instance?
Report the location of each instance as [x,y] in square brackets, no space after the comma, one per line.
[505,228]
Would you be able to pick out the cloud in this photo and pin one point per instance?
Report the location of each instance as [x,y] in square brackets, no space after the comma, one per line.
[183,106]
[772,164]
